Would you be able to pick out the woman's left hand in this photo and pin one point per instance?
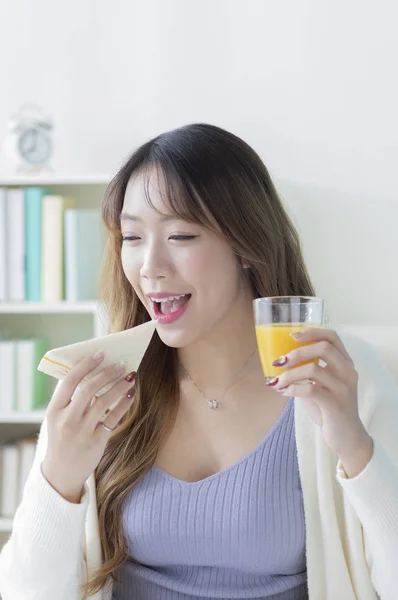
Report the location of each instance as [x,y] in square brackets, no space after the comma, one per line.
[332,398]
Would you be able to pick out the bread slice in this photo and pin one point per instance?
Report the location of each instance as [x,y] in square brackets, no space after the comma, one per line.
[128,346]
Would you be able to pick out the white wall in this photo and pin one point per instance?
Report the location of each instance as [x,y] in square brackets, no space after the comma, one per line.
[310,84]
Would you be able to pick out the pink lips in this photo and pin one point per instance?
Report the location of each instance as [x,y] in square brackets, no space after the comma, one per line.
[160,317]
[170,318]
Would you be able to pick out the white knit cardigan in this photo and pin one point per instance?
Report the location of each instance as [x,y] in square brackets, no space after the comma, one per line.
[351,524]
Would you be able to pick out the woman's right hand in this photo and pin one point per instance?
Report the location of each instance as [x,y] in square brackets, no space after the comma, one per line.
[76,439]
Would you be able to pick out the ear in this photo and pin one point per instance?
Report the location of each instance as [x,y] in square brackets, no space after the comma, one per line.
[243,263]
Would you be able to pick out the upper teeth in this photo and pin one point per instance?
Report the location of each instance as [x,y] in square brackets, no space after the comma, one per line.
[168,299]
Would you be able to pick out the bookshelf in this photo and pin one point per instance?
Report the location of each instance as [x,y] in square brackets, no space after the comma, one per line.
[54,180]
[62,322]
[41,307]
[35,416]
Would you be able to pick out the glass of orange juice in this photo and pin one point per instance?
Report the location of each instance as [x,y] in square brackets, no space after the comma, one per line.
[275,318]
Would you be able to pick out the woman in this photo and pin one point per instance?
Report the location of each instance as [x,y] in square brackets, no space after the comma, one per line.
[210,484]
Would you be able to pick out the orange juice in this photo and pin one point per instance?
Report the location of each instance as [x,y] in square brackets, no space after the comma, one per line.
[273,341]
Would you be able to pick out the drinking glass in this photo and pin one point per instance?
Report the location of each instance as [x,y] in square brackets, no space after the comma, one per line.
[278,316]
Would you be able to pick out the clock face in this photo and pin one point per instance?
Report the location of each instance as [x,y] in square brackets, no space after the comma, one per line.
[34,146]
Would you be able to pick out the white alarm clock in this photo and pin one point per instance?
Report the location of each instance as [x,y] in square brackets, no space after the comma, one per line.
[28,146]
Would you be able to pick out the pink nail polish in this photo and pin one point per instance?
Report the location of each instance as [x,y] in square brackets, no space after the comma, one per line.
[273,381]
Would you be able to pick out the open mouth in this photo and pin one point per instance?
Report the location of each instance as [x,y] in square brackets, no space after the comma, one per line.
[170,305]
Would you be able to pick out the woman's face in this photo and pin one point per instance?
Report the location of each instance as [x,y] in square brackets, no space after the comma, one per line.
[186,276]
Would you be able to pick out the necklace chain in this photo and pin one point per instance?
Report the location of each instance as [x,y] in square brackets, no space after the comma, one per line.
[213,402]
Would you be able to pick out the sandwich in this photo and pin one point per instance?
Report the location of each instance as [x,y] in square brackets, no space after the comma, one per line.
[128,346]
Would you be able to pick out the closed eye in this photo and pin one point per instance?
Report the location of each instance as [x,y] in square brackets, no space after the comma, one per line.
[130,238]
[178,238]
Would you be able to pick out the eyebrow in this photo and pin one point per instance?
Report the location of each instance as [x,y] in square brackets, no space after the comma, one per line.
[128,217]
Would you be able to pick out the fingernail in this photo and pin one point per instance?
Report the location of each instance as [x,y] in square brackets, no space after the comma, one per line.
[282,360]
[297,335]
[98,355]
[130,376]
[273,381]
[119,368]
[282,389]
[131,393]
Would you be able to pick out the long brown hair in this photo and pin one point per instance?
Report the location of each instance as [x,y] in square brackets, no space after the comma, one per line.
[214,178]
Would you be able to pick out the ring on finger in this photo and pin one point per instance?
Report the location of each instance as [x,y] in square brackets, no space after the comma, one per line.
[305,382]
[106,427]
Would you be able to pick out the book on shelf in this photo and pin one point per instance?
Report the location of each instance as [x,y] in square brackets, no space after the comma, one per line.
[53,247]
[83,254]
[3,246]
[22,387]
[16,460]
[49,250]
[33,237]
[15,239]
[7,376]
[26,451]
[9,480]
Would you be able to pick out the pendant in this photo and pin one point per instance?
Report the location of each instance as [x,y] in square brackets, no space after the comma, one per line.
[212,403]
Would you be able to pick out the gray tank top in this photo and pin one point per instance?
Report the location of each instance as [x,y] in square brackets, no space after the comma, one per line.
[237,534]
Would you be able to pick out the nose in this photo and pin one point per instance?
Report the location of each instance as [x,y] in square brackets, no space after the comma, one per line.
[156,264]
